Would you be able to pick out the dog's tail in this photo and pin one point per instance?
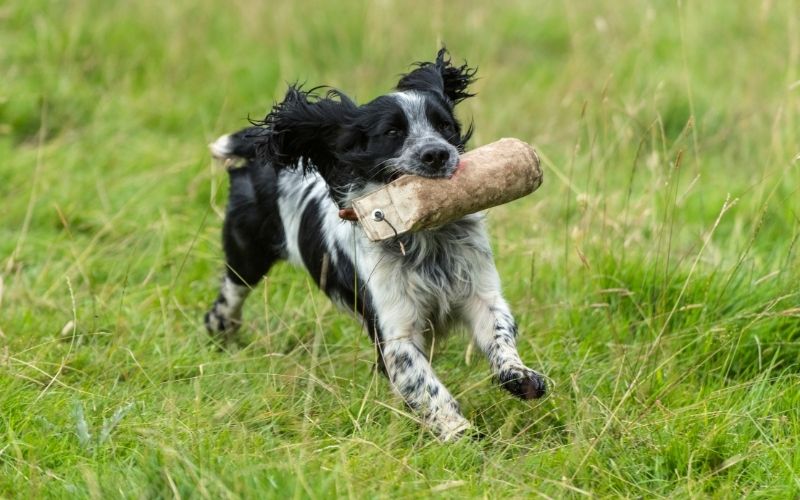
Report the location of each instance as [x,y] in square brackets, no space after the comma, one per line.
[238,146]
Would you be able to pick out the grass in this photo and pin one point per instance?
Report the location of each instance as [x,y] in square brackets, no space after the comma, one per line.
[654,275]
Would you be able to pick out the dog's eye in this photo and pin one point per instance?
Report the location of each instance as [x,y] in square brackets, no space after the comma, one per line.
[392,132]
[445,128]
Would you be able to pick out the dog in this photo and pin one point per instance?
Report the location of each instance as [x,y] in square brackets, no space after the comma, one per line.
[308,159]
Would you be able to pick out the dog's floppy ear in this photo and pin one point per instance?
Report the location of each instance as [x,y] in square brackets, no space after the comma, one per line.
[303,129]
[440,76]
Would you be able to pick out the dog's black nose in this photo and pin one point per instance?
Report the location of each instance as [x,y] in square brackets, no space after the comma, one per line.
[435,157]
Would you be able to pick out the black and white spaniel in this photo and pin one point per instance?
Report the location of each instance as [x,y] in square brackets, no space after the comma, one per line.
[308,159]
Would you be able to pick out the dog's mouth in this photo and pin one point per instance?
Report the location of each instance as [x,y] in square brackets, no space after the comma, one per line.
[446,173]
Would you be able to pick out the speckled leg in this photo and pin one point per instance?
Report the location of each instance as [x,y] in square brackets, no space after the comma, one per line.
[413,379]
[495,332]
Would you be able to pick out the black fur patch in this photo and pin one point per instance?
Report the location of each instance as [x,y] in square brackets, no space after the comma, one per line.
[310,242]
[252,236]
[442,76]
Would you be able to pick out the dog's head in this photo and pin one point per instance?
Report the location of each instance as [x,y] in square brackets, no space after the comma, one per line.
[411,131]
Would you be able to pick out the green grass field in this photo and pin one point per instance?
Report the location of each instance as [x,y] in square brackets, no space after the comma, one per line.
[655,275]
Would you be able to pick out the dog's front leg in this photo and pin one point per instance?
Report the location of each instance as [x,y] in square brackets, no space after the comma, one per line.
[495,332]
[412,377]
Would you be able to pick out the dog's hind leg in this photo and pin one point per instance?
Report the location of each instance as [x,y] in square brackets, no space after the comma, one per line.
[225,316]
[252,237]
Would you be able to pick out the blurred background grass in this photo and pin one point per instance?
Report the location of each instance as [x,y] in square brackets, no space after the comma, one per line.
[654,275]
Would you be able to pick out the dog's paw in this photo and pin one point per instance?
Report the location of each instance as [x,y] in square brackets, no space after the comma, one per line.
[221,325]
[523,383]
[450,428]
